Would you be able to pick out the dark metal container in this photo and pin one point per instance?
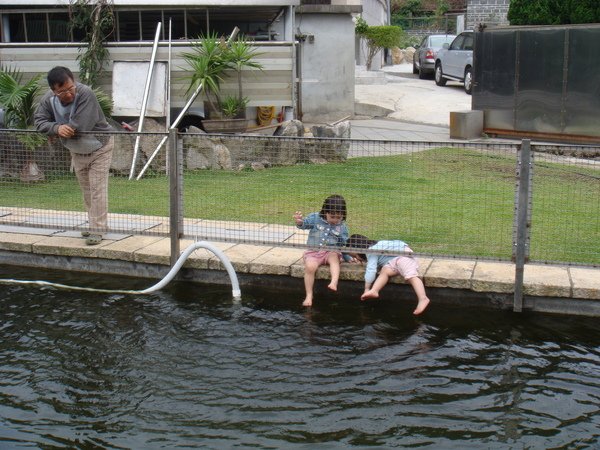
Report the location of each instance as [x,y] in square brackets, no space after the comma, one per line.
[540,82]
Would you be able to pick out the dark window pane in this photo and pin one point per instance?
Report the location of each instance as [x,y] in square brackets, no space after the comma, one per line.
[177,24]
[59,27]
[37,31]
[458,42]
[129,26]
[16,28]
[149,21]
[196,23]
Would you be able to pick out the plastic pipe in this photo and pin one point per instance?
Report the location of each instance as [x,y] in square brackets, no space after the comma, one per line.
[235,286]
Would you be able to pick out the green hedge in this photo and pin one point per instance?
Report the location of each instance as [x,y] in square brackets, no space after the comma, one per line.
[553,12]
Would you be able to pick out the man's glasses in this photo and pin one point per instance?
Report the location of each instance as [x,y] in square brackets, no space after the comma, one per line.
[65,91]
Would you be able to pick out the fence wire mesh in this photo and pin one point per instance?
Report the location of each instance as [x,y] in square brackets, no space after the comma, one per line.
[39,187]
[565,219]
[442,198]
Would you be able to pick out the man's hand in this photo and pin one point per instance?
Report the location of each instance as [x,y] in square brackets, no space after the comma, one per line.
[65,131]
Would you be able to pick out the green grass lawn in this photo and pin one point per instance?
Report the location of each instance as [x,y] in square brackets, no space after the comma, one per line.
[442,201]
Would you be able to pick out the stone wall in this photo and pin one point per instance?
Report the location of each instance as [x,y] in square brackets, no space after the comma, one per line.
[490,12]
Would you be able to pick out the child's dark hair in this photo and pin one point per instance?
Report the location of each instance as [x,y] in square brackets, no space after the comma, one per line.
[334,204]
[58,76]
[360,241]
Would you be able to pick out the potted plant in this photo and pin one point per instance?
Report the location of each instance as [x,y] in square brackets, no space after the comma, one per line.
[18,100]
[211,60]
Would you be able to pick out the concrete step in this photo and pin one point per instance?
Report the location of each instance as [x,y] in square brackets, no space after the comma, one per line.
[370,110]
[364,76]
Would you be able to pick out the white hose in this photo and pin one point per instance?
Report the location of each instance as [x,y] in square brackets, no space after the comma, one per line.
[235,286]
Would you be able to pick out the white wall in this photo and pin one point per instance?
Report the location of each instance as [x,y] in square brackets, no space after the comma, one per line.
[327,66]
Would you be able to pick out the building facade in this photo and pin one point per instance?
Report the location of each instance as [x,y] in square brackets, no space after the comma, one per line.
[488,12]
[306,50]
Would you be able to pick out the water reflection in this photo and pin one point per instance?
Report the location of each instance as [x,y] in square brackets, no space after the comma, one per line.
[188,367]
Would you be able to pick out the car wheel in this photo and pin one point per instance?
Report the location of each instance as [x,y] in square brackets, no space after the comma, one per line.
[468,80]
[439,75]
[415,70]
[422,73]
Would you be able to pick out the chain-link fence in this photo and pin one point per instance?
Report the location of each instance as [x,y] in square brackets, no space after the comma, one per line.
[426,24]
[452,199]
[38,186]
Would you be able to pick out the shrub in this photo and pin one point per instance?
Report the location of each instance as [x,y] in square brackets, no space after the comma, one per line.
[380,37]
[553,12]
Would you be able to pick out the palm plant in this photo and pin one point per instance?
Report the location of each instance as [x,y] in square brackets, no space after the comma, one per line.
[19,102]
[232,106]
[211,57]
[208,62]
[240,55]
[18,98]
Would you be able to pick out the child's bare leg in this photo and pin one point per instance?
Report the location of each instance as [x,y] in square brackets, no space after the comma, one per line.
[419,288]
[333,259]
[384,276]
[310,269]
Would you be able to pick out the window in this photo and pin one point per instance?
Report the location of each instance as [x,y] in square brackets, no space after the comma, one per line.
[149,20]
[177,24]
[458,42]
[37,27]
[468,45]
[196,23]
[134,25]
[59,27]
[14,28]
[129,26]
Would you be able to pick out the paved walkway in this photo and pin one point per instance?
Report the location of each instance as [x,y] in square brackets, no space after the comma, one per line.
[394,130]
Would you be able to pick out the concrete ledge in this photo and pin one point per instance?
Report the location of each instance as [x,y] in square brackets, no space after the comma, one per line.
[450,273]
[493,277]
[543,281]
[586,282]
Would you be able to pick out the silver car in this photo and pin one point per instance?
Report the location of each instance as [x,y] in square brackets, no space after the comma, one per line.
[455,62]
[426,51]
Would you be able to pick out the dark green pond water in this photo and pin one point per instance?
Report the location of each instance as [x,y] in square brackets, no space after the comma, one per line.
[189,368]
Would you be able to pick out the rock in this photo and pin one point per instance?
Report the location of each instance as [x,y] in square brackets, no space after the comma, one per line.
[282,152]
[125,145]
[222,157]
[333,150]
[290,128]
[339,130]
[402,56]
[397,56]
[199,152]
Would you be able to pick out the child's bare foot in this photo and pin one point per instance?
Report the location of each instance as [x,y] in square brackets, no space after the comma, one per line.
[332,286]
[423,303]
[307,301]
[369,294]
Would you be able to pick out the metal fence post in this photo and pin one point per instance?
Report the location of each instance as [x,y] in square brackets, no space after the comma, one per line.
[175,200]
[522,220]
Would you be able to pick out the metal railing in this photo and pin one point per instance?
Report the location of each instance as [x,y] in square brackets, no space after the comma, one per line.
[444,198]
